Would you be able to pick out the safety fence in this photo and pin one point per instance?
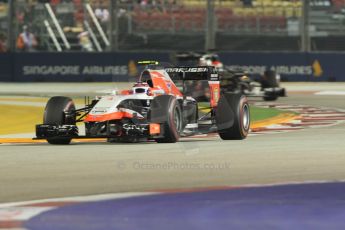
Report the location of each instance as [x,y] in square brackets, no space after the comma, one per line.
[128,25]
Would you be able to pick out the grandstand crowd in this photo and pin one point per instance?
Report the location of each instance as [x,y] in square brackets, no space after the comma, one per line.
[175,16]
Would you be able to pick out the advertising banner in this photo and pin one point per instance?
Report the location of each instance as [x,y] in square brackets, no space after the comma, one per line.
[121,66]
[290,66]
[76,67]
[6,67]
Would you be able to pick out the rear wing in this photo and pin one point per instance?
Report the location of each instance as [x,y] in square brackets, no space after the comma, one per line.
[189,56]
[193,73]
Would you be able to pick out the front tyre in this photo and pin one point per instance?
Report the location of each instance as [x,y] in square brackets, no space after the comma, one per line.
[166,110]
[59,111]
[233,117]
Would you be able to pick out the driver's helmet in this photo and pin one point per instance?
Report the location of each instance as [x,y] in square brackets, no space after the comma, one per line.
[211,60]
[141,87]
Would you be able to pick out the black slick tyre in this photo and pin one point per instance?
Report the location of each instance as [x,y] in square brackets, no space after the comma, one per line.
[270,81]
[166,110]
[233,116]
[59,111]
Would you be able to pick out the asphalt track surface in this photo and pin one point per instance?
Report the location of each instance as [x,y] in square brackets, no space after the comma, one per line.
[37,171]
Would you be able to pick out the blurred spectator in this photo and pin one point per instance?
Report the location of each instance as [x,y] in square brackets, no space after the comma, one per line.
[102,13]
[144,3]
[2,43]
[24,14]
[26,41]
[85,42]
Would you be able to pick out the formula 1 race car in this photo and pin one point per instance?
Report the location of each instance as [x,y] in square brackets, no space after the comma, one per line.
[237,81]
[267,86]
[154,109]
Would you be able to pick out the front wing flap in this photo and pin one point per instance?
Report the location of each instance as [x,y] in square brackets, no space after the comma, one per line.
[46,131]
[277,91]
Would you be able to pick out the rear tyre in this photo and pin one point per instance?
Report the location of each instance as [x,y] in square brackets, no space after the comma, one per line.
[59,111]
[166,110]
[270,81]
[233,116]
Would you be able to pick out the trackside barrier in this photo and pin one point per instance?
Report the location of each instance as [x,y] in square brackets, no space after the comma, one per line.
[292,66]
[73,67]
[120,66]
[6,67]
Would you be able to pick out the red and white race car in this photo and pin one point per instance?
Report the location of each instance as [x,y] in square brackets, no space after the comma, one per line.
[153,109]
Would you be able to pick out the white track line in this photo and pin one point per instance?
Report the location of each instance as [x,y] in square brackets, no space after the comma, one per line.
[102,197]
[79,198]
[331,93]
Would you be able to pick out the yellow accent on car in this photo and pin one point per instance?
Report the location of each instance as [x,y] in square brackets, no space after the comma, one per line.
[148,62]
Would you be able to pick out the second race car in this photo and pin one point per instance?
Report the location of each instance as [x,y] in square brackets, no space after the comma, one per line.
[267,86]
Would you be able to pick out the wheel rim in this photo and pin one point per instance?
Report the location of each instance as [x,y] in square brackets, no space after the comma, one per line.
[245,117]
